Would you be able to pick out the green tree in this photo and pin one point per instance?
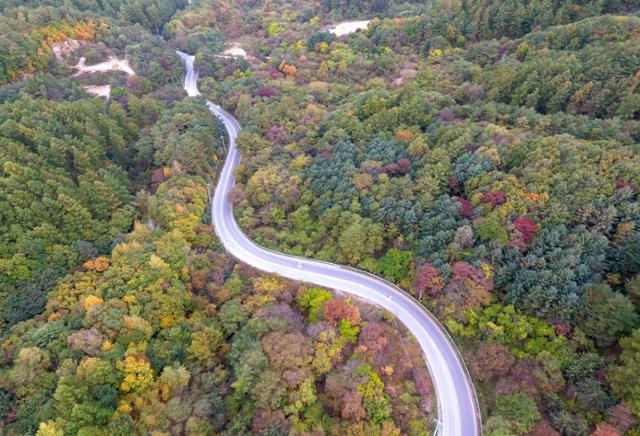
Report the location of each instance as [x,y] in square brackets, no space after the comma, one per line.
[519,410]
[360,240]
[608,315]
[395,264]
[623,377]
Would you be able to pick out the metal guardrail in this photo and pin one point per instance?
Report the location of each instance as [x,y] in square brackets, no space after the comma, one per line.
[385,282]
[406,294]
[410,297]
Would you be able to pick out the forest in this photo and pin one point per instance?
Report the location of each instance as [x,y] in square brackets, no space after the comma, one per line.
[483,155]
[121,312]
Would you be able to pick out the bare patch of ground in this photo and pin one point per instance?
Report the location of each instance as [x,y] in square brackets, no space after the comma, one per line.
[64,48]
[112,64]
[348,27]
[99,90]
[235,49]
[405,73]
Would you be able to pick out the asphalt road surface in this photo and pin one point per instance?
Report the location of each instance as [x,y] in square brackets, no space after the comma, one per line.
[458,412]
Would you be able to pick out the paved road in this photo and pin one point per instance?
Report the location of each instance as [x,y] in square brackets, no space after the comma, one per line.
[456,399]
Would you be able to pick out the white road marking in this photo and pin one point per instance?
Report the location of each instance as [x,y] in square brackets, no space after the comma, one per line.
[458,411]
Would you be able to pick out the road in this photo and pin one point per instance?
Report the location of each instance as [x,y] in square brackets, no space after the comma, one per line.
[458,412]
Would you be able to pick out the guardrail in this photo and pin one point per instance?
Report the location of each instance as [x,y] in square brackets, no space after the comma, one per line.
[406,294]
[386,283]
[383,281]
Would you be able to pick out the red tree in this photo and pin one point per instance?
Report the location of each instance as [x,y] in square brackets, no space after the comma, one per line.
[473,282]
[621,184]
[372,337]
[621,417]
[278,133]
[466,208]
[543,428]
[490,361]
[267,91]
[336,310]
[403,165]
[453,182]
[604,429]
[494,198]
[527,227]
[427,279]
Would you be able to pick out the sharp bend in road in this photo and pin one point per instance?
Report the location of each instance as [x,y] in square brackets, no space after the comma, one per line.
[458,412]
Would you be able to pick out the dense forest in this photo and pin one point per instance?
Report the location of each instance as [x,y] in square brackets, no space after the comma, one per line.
[121,312]
[166,334]
[488,163]
[481,154]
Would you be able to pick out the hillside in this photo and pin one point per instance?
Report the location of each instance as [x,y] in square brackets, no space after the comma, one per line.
[482,155]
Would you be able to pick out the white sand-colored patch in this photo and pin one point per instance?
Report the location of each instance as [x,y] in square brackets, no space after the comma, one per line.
[99,91]
[65,47]
[112,64]
[348,27]
[235,49]
[405,73]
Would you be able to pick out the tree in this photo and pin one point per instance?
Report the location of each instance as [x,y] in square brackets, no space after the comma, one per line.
[376,402]
[498,426]
[608,315]
[173,381]
[49,429]
[543,428]
[264,185]
[632,286]
[428,280]
[490,361]
[352,407]
[269,391]
[317,38]
[360,240]
[472,284]
[335,311]
[552,278]
[592,395]
[623,376]
[527,228]
[395,264]
[621,417]
[519,410]
[232,316]
[247,358]
[348,330]
[490,229]
[286,350]
[288,69]
[604,429]
[28,365]
[138,374]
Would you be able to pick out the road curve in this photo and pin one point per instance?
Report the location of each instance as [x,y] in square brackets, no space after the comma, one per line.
[458,412]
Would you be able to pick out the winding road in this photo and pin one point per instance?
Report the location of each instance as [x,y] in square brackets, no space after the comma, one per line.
[458,412]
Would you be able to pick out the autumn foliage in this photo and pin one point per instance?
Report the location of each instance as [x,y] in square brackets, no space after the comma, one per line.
[288,69]
[428,280]
[527,227]
[337,310]
[98,264]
